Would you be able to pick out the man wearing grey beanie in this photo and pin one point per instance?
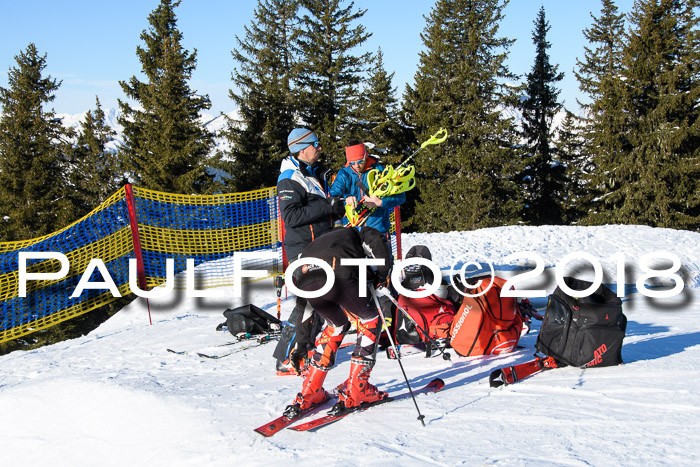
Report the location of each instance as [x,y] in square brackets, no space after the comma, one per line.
[307,213]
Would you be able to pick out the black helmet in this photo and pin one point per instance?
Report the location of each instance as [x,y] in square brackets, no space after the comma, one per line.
[417,275]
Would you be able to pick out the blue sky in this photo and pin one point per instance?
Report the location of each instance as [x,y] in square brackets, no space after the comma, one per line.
[91,45]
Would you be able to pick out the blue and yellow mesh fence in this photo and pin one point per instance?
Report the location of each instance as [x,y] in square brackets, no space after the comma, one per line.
[148,226]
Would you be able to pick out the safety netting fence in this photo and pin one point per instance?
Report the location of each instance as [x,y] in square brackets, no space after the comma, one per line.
[149,227]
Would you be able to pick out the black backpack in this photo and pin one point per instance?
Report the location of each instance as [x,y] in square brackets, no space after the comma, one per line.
[583,332]
[249,319]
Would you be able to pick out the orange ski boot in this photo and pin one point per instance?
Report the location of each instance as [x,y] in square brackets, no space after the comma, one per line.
[312,392]
[359,390]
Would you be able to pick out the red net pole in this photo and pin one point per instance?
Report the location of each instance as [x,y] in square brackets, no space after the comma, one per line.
[136,239]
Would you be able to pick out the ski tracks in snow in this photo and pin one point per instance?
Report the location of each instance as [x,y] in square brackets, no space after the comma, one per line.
[403,451]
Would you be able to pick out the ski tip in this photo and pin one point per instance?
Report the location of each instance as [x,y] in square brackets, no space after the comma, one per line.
[436,384]
[273,427]
[496,379]
[266,434]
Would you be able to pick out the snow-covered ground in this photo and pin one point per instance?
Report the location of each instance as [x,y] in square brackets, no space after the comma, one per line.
[117,397]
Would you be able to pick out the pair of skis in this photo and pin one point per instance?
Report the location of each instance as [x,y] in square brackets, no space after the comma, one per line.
[254,340]
[283,422]
[500,377]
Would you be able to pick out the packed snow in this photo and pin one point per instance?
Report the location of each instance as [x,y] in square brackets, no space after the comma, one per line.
[117,397]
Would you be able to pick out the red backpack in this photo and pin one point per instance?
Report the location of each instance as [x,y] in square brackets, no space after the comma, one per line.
[433,315]
[488,324]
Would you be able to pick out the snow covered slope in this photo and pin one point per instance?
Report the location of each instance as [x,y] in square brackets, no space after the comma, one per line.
[117,397]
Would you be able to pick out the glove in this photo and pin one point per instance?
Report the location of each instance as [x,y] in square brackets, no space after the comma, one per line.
[382,291]
[337,205]
[297,358]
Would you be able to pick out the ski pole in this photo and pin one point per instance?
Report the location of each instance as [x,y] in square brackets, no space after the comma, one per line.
[396,352]
[445,355]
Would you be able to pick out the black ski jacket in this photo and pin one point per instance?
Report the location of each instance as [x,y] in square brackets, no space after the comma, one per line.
[304,208]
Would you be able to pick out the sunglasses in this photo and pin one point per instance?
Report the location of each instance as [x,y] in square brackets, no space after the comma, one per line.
[316,144]
[361,161]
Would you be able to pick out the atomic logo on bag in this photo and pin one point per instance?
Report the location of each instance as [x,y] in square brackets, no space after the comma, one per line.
[598,355]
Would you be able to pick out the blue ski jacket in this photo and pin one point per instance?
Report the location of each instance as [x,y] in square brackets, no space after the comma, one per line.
[345,185]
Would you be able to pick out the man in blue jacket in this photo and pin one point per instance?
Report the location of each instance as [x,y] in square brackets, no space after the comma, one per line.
[359,163]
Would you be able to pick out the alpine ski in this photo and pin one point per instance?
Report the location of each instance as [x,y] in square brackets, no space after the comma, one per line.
[258,342]
[258,339]
[433,386]
[282,422]
[513,374]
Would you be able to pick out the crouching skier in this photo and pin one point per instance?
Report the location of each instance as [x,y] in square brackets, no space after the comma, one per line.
[332,247]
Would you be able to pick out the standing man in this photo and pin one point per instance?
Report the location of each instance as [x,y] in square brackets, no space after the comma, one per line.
[301,190]
[359,163]
[332,248]
[307,213]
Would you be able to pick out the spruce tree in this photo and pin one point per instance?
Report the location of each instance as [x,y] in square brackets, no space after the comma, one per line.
[545,173]
[604,120]
[33,143]
[264,95]
[657,181]
[470,180]
[95,171]
[94,174]
[379,110]
[165,144]
[329,73]
[574,196]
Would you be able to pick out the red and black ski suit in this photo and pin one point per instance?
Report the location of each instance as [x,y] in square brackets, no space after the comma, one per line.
[332,247]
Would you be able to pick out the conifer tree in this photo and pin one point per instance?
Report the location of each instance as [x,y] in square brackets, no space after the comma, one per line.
[469,181]
[657,181]
[95,171]
[33,143]
[329,74]
[165,144]
[379,110]
[570,146]
[605,122]
[94,174]
[545,173]
[264,95]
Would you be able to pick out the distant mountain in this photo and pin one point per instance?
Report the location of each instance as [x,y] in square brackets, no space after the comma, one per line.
[214,123]
[217,124]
